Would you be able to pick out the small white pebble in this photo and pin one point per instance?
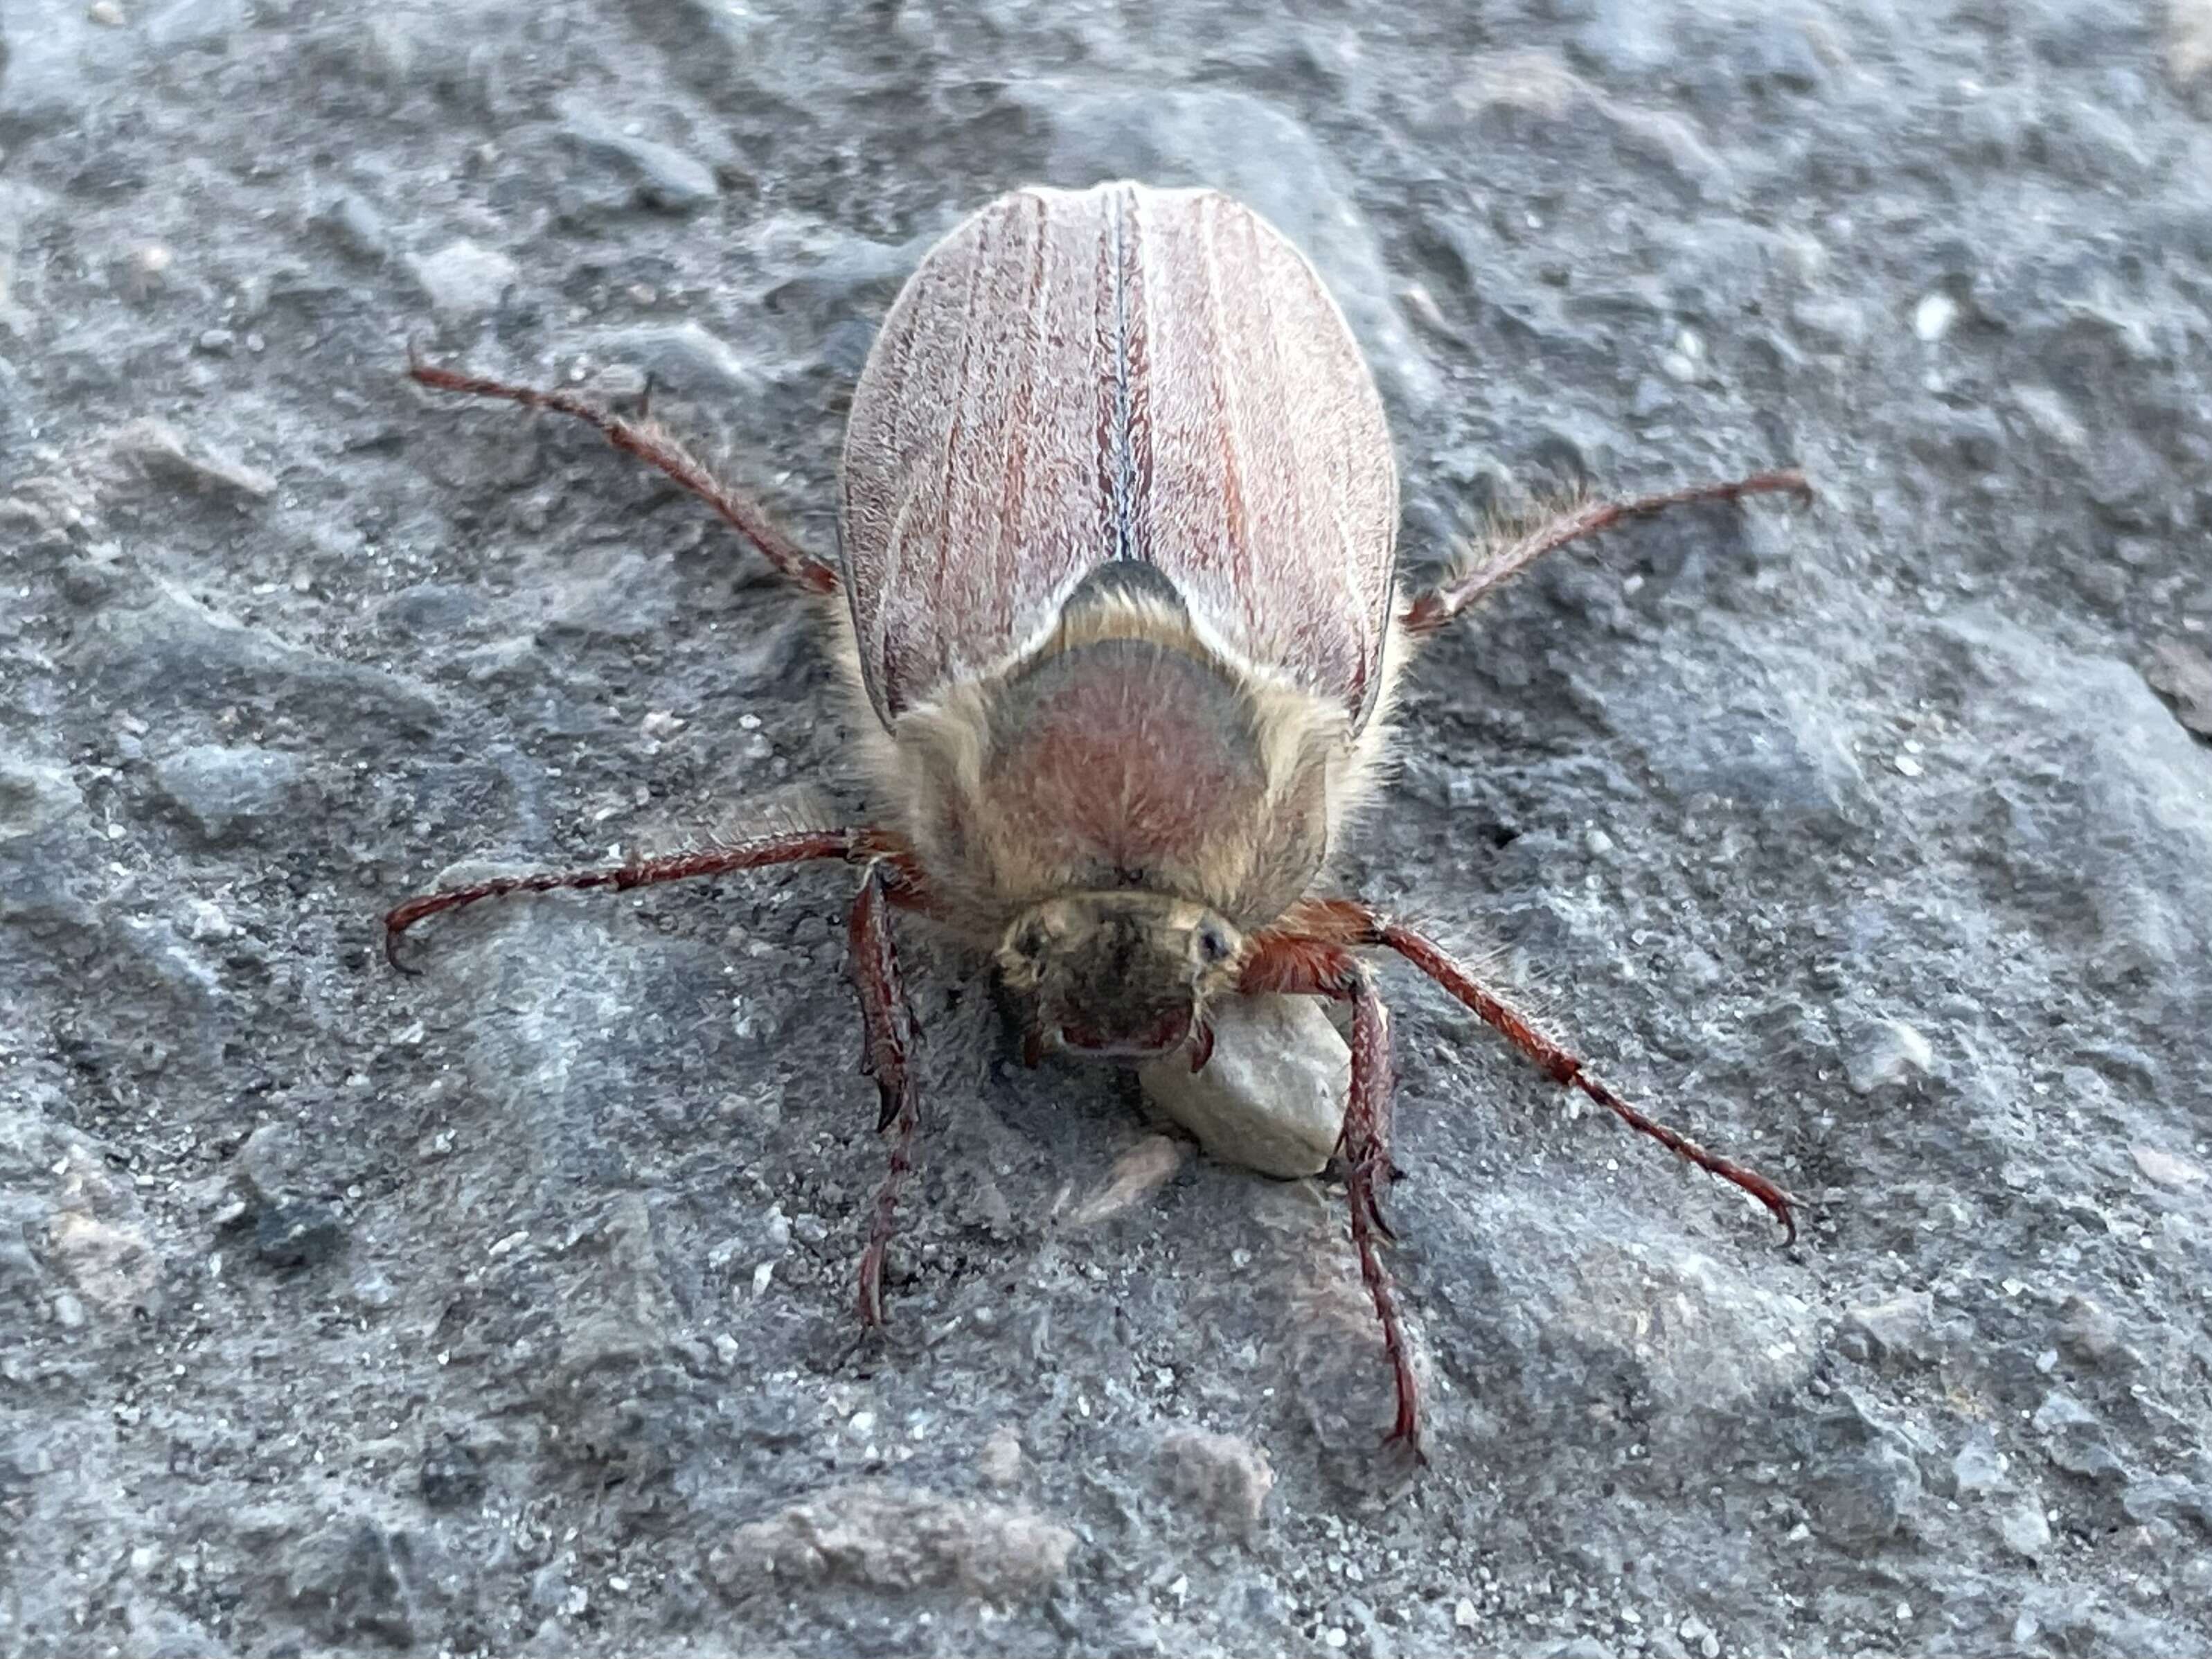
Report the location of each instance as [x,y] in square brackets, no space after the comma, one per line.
[1463,1613]
[1910,767]
[761,1275]
[206,920]
[1933,316]
[1334,1637]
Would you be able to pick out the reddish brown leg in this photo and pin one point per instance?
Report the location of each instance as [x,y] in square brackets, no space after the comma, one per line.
[749,854]
[887,1041]
[1294,966]
[1432,610]
[1353,923]
[655,446]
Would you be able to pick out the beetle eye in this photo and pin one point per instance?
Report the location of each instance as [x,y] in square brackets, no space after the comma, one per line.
[1213,943]
[1031,940]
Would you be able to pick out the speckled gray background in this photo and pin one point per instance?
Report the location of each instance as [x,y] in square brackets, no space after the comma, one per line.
[508,1308]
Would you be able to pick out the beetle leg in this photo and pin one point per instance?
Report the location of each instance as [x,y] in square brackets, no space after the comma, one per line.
[655,445]
[1497,564]
[1293,965]
[888,1033]
[1353,923]
[752,853]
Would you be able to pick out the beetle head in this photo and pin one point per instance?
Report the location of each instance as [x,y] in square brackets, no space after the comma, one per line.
[1123,975]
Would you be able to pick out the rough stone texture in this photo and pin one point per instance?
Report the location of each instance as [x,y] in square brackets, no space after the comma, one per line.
[1218,1474]
[541,1293]
[888,1538]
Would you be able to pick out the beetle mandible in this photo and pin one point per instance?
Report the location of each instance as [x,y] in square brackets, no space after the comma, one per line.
[1120,602]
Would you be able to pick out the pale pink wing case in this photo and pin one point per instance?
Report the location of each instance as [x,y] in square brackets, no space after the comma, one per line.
[1072,377]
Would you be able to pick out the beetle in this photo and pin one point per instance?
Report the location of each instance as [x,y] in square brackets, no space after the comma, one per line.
[1119,608]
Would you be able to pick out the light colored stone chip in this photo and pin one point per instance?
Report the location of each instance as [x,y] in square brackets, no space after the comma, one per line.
[1272,1097]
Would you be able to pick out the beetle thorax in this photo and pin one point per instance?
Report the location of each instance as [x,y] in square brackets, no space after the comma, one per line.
[1123,751]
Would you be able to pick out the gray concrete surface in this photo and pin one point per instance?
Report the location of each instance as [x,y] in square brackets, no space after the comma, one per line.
[508,1308]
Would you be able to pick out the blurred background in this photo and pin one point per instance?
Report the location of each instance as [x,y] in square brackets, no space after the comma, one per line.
[508,1308]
